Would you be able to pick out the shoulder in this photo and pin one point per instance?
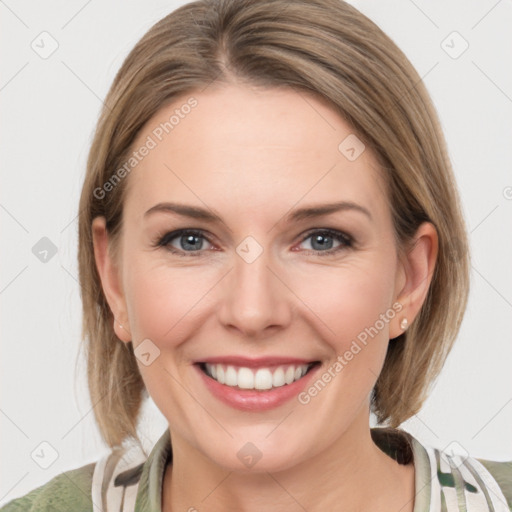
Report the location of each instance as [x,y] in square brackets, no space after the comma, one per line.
[112,480]
[449,478]
[471,482]
[109,483]
[71,489]
[501,472]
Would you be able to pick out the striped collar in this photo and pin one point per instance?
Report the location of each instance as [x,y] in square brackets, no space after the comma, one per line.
[128,480]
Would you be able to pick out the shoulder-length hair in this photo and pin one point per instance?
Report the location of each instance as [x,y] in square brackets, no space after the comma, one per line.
[324,47]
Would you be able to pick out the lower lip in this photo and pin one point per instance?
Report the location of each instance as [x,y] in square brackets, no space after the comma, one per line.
[252,400]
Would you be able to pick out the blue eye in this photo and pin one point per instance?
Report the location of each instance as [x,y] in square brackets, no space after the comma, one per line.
[323,239]
[191,241]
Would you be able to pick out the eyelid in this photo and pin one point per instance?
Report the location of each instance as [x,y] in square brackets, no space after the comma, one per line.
[163,241]
[346,240]
[330,231]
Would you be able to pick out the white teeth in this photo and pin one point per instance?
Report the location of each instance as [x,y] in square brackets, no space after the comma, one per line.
[261,379]
[230,376]
[289,375]
[278,378]
[245,378]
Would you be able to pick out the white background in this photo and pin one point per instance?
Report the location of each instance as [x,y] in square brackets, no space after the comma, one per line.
[49,109]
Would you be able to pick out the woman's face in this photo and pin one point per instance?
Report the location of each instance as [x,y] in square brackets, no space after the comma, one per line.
[264,283]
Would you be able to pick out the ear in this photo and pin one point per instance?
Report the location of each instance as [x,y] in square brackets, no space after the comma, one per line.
[110,279]
[414,276]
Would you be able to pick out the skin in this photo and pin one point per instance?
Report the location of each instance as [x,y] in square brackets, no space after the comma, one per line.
[253,155]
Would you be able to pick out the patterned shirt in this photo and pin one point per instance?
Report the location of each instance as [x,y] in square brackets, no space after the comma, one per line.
[126,480]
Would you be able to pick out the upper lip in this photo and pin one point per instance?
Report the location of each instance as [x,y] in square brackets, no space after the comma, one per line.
[256,362]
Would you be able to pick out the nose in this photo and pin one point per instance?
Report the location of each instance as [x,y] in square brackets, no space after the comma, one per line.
[255,299]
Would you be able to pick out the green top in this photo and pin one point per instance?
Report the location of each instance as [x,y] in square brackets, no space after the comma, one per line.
[126,480]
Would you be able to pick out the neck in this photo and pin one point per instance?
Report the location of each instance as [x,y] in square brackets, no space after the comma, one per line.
[353,474]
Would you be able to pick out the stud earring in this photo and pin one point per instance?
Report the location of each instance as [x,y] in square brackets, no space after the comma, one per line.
[403,324]
[120,325]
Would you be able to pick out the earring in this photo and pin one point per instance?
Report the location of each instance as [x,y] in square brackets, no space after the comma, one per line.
[120,325]
[403,324]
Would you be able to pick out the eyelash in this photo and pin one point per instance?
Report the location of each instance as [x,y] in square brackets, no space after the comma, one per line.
[164,241]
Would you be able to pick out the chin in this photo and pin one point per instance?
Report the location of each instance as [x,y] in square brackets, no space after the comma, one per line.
[257,456]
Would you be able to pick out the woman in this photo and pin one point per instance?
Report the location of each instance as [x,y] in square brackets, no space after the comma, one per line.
[266,248]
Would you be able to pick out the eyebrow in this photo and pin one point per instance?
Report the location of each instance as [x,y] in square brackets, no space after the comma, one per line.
[298,214]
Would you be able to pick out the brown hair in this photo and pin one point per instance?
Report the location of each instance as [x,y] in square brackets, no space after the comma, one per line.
[329,49]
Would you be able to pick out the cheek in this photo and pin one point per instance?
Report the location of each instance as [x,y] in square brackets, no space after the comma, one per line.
[354,307]
[163,302]
[350,299]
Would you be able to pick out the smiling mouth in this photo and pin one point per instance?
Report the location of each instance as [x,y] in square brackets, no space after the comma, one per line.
[261,379]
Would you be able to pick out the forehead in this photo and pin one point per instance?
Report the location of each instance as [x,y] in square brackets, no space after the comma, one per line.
[245,149]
